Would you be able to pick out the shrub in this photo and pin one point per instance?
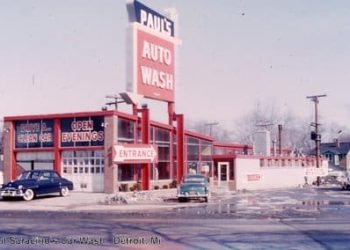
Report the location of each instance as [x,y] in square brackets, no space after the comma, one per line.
[123,187]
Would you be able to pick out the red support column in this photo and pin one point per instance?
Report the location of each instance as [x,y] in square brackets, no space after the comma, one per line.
[11,140]
[145,129]
[180,148]
[14,166]
[57,139]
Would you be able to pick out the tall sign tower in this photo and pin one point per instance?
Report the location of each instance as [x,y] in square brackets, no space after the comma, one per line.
[151,46]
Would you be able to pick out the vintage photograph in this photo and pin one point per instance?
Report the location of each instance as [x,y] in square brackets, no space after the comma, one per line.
[173,124]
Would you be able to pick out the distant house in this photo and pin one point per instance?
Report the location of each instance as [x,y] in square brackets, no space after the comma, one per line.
[337,153]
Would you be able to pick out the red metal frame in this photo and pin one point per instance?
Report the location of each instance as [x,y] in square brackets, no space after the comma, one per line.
[145,129]
[180,146]
[13,154]
[57,154]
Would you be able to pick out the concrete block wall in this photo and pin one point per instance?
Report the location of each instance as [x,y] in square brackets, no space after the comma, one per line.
[110,173]
[251,176]
[7,147]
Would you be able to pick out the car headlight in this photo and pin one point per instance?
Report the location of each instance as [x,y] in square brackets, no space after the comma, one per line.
[20,187]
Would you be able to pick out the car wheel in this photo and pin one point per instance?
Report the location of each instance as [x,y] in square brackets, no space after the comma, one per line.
[28,195]
[64,191]
[206,199]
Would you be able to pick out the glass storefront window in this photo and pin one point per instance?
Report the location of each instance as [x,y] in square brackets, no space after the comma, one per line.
[192,149]
[162,140]
[163,170]
[162,136]
[126,131]
[126,172]
[163,153]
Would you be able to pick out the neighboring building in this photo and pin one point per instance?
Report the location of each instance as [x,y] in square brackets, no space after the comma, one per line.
[337,153]
[236,168]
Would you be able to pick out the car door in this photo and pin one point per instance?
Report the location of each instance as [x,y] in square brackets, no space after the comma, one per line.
[46,183]
[56,182]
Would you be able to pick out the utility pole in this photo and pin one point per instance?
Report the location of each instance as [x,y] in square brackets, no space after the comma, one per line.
[316,135]
[117,99]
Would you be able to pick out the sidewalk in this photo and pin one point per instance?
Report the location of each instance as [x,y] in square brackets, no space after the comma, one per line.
[98,202]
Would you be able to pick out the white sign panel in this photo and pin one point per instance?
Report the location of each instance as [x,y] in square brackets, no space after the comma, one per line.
[135,153]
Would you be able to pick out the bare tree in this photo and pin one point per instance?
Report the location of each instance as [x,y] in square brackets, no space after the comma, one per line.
[210,128]
[295,133]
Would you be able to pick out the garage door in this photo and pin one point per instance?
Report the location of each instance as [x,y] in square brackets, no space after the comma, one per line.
[85,169]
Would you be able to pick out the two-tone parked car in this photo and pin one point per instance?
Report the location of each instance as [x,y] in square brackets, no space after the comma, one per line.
[193,187]
[35,183]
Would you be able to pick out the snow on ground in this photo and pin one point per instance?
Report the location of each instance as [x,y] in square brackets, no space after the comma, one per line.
[140,197]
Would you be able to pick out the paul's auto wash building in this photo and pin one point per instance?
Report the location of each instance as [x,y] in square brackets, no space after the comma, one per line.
[105,150]
[110,151]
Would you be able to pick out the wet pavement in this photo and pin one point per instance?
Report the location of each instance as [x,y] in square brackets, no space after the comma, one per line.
[300,218]
[309,202]
[303,202]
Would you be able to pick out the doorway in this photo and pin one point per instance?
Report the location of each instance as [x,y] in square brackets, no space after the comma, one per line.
[223,175]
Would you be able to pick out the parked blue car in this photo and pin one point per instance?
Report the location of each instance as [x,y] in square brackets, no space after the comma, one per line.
[194,187]
[36,182]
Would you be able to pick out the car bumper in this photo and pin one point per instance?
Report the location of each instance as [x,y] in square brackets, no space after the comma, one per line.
[192,196]
[11,193]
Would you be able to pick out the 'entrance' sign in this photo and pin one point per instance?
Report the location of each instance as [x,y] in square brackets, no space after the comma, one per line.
[135,153]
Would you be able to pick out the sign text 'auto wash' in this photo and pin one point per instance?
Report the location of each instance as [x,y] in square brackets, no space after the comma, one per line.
[151,66]
[135,153]
[156,62]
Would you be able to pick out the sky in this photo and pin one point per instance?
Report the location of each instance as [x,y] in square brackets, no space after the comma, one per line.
[59,56]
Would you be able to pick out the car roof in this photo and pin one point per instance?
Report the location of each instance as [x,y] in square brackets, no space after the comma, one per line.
[39,170]
[195,176]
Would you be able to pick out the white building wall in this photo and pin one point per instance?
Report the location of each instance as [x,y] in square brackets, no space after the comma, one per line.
[250,176]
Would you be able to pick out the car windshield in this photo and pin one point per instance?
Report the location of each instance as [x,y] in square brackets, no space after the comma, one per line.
[197,179]
[28,175]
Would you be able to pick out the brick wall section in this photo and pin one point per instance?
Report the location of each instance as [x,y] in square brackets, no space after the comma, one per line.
[8,151]
[111,174]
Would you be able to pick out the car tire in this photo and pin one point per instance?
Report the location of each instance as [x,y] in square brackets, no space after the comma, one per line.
[28,195]
[64,191]
[206,199]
